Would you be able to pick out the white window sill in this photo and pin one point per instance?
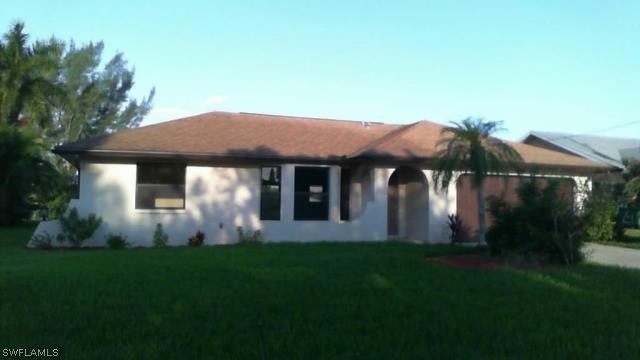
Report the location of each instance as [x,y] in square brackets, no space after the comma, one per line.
[160,211]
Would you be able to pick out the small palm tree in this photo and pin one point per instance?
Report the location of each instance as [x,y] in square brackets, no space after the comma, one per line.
[467,146]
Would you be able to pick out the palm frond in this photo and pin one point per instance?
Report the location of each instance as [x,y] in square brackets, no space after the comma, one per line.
[468,146]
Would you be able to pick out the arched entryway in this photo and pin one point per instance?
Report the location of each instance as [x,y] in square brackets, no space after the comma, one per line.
[408,205]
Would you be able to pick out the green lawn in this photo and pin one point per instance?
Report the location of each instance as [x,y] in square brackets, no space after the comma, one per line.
[632,234]
[375,300]
[631,239]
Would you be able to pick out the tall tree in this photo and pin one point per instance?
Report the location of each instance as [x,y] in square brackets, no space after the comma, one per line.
[97,101]
[51,93]
[28,91]
[468,146]
[27,77]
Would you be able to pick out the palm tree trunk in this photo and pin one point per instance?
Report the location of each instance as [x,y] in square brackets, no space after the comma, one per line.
[481,216]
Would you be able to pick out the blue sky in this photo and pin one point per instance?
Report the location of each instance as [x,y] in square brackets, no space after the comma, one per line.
[537,65]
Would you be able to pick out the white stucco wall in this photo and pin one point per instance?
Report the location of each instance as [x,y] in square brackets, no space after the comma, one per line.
[220,198]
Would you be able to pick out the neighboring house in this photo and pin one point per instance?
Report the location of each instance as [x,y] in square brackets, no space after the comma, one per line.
[295,179]
[602,149]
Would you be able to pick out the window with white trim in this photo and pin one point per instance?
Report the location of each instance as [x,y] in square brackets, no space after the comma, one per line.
[160,186]
[311,193]
[270,193]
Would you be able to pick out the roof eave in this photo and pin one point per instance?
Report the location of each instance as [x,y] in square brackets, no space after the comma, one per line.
[73,156]
[146,154]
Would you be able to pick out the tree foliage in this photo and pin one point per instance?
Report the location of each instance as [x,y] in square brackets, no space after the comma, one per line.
[18,166]
[602,214]
[632,182]
[96,101]
[52,93]
[28,84]
[468,147]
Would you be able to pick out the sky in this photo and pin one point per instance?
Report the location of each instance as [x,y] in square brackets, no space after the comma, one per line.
[570,66]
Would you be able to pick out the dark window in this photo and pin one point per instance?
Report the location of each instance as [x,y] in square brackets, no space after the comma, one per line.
[160,186]
[311,193]
[270,193]
[345,185]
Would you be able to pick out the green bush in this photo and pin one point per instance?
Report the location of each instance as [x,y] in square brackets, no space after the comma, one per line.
[75,229]
[249,237]
[160,238]
[197,239]
[543,227]
[42,241]
[601,215]
[116,241]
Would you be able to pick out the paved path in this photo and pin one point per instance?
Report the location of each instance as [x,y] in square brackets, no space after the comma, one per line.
[613,255]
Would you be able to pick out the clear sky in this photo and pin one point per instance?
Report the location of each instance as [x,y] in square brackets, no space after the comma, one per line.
[565,65]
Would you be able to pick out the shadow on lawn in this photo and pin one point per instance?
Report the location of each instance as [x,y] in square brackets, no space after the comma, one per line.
[302,300]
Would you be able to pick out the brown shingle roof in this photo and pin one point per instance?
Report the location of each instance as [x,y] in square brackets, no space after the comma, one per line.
[242,134]
[272,136]
[417,140]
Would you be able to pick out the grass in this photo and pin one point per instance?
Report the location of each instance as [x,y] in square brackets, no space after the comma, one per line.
[631,240]
[328,300]
[632,234]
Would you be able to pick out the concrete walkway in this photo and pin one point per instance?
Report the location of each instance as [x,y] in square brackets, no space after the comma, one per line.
[613,255]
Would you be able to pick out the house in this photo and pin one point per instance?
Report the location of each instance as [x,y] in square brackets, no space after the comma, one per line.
[602,149]
[295,179]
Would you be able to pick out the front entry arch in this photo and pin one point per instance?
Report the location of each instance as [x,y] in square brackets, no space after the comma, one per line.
[408,205]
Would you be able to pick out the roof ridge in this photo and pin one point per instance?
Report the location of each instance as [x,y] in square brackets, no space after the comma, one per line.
[313,118]
[384,138]
[564,134]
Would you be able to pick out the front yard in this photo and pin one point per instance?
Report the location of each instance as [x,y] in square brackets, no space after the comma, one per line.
[374,300]
[631,239]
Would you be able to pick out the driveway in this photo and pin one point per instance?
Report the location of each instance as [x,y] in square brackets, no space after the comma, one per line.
[613,255]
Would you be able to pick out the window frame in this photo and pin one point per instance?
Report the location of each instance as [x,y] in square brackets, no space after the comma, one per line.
[161,209]
[345,193]
[279,169]
[326,195]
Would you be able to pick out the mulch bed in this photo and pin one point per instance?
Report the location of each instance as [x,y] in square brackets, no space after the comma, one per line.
[484,262]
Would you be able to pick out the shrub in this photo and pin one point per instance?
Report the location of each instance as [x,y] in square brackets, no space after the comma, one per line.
[42,241]
[601,216]
[197,239]
[541,228]
[160,238]
[116,241]
[249,237]
[75,229]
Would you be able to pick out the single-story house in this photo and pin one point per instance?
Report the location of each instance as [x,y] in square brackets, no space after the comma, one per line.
[610,151]
[293,178]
